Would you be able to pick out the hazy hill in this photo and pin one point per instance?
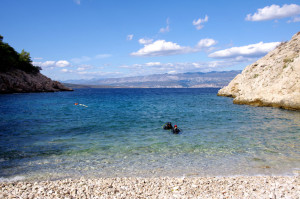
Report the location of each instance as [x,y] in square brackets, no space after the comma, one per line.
[182,80]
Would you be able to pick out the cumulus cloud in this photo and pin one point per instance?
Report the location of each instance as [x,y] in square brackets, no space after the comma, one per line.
[252,50]
[164,48]
[206,43]
[161,48]
[48,64]
[45,64]
[199,23]
[129,37]
[145,41]
[62,63]
[274,12]
[153,64]
[167,28]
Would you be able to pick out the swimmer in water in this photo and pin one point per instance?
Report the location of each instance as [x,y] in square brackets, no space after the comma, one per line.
[176,130]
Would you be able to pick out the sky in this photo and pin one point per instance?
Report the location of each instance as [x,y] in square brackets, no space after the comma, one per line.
[86,39]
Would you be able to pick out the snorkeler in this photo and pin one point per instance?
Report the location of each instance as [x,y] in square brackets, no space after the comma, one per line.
[176,130]
[168,126]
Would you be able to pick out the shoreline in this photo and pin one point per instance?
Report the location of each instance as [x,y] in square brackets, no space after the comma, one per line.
[157,187]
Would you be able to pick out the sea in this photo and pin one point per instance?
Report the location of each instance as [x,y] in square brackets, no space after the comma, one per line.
[117,132]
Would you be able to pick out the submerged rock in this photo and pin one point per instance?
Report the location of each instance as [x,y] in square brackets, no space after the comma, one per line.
[274,80]
[18,81]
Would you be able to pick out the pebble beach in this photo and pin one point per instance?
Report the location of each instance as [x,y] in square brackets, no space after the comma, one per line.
[162,187]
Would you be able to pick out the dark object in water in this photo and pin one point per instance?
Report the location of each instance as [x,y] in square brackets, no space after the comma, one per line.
[176,130]
[168,126]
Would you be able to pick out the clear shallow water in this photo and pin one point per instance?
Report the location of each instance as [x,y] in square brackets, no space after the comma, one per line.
[45,136]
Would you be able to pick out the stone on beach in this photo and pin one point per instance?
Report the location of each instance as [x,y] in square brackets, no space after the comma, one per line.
[162,187]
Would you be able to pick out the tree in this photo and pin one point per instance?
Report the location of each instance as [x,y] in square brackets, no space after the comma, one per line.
[25,56]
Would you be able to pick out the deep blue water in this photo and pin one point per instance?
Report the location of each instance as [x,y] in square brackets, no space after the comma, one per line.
[119,133]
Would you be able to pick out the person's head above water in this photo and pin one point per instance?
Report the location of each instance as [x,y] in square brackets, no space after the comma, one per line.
[175,125]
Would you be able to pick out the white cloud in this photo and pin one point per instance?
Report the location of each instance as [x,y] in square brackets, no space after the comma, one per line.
[145,41]
[167,28]
[129,37]
[62,63]
[52,64]
[199,22]
[84,67]
[206,43]
[274,12]
[161,48]
[38,58]
[252,50]
[153,64]
[172,72]
[45,64]
[164,48]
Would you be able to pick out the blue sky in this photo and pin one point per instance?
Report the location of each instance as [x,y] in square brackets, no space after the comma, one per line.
[84,39]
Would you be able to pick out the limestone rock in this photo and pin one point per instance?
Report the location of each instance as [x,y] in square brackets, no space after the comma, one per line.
[18,81]
[273,80]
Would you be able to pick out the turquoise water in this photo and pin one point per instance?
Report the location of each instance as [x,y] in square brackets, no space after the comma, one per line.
[119,134]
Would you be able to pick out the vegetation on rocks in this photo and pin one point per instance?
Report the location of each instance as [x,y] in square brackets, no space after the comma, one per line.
[18,75]
[10,59]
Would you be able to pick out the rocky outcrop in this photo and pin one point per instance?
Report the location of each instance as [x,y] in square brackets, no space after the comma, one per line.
[274,80]
[18,81]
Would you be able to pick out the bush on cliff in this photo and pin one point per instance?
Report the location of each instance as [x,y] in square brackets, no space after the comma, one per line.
[11,59]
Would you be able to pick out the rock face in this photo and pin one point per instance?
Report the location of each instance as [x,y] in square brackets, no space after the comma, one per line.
[274,80]
[18,81]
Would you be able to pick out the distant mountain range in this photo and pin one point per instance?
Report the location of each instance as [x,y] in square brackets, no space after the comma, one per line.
[182,80]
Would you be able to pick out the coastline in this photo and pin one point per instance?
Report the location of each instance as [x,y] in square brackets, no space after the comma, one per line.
[161,187]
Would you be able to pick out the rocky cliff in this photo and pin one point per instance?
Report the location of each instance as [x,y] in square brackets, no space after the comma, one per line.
[274,80]
[18,81]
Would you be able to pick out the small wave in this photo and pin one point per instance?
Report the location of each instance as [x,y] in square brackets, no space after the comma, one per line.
[12,179]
